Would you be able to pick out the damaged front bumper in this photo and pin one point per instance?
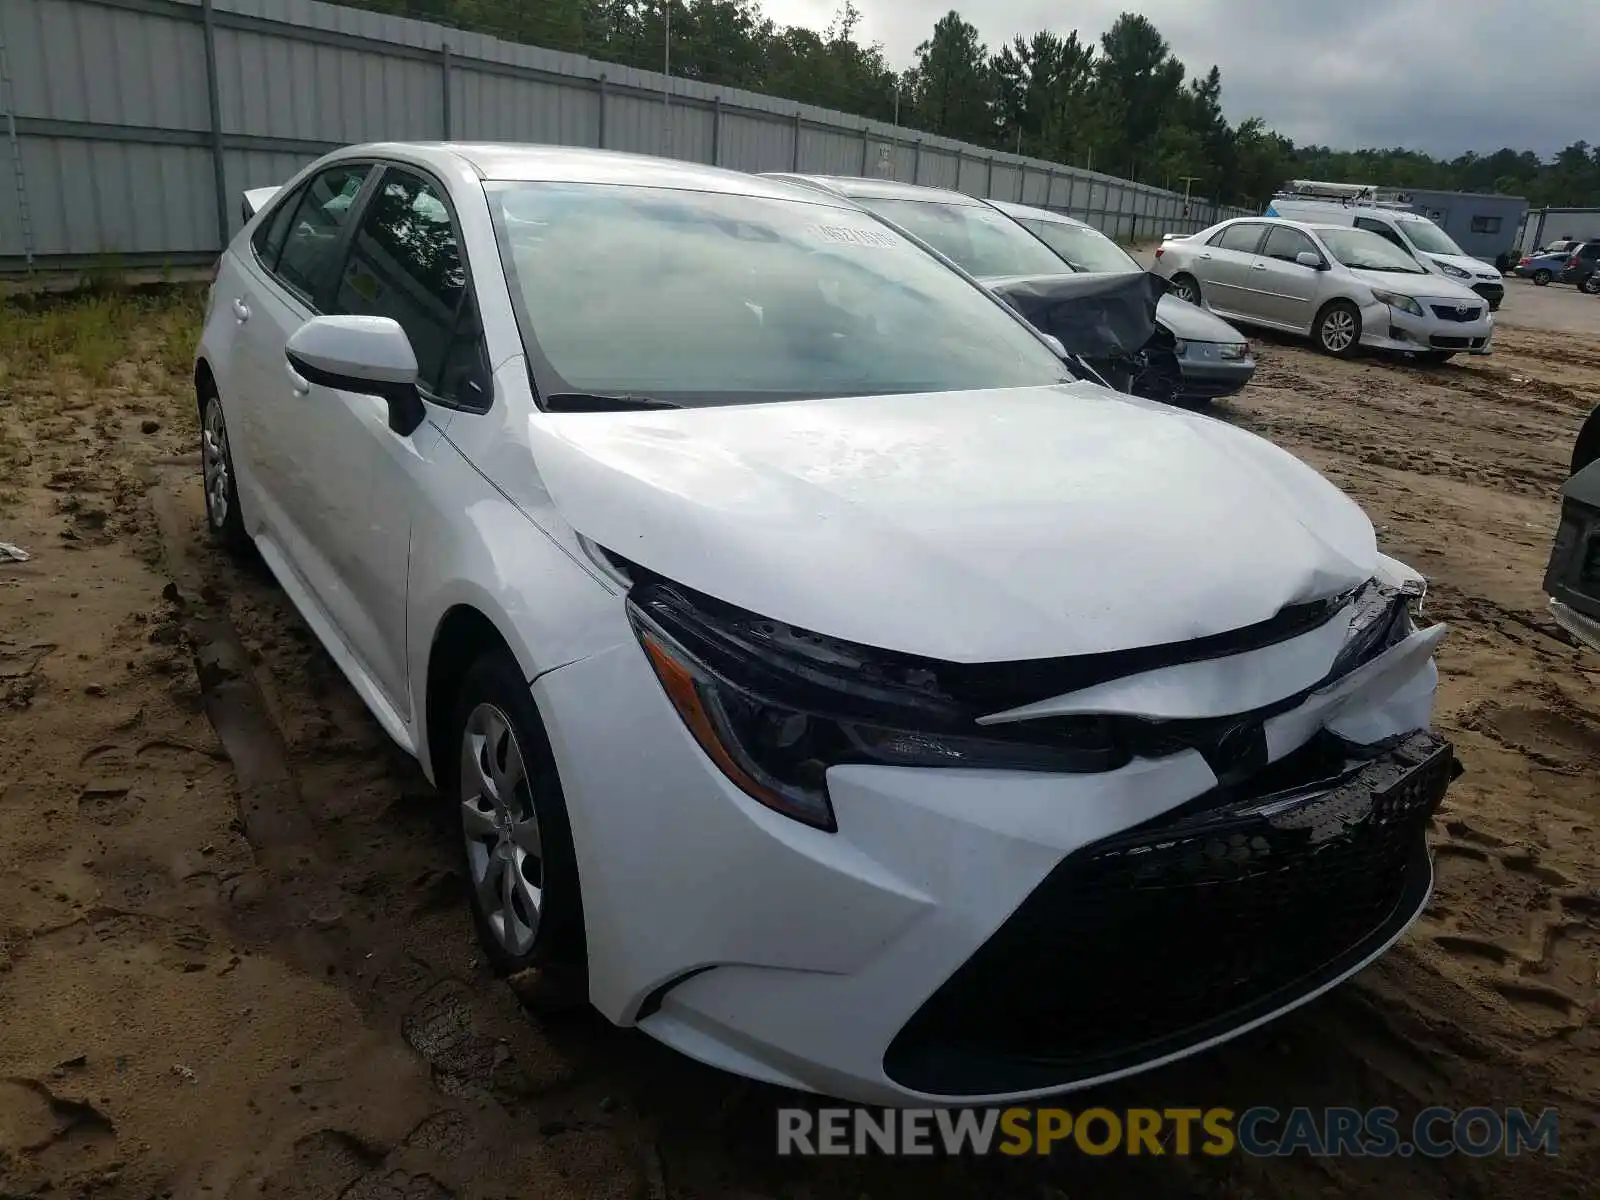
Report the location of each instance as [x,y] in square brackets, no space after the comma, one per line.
[980,935]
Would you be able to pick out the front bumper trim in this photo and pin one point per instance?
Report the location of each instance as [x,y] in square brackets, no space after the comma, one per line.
[1185,932]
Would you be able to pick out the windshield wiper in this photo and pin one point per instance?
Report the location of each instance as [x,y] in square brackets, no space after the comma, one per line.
[601,402]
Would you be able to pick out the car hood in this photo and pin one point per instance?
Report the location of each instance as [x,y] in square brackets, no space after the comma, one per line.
[1193,323]
[1479,269]
[969,526]
[1436,287]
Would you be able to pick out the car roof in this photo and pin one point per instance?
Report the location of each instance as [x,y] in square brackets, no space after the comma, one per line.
[880,189]
[1039,214]
[516,162]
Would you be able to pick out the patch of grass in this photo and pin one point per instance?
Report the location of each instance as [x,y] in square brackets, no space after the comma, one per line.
[83,337]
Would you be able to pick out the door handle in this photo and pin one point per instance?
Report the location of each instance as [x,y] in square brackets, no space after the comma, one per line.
[1207,257]
[1258,266]
[241,310]
[297,382]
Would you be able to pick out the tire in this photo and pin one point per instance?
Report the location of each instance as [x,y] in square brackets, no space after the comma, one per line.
[1337,329]
[224,520]
[1542,277]
[1590,284]
[1186,287]
[533,916]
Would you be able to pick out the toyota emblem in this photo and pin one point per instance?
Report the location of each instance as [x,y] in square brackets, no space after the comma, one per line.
[1463,309]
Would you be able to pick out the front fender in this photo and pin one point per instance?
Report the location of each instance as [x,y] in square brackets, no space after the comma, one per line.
[522,571]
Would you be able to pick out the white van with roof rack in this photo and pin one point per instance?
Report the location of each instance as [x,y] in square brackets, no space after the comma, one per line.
[1390,215]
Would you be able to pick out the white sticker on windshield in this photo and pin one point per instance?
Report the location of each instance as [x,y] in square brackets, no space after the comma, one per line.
[846,235]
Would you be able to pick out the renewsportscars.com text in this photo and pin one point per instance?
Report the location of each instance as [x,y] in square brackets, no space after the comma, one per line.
[1478,1132]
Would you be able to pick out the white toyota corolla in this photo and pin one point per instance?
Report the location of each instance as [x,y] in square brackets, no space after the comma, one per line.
[862,701]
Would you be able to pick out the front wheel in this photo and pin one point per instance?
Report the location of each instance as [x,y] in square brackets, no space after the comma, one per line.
[521,868]
[1542,277]
[1338,329]
[1186,288]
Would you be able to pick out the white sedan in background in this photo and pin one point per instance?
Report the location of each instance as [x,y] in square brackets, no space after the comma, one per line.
[1346,288]
[851,697]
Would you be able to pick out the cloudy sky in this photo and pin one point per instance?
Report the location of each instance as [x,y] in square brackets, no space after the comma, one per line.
[1444,76]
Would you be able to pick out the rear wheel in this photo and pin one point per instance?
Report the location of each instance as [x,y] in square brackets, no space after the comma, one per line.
[522,871]
[1542,277]
[1590,284]
[223,520]
[1185,287]
[1337,330]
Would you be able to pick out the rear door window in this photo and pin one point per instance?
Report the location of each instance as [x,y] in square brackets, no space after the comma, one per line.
[1243,238]
[311,249]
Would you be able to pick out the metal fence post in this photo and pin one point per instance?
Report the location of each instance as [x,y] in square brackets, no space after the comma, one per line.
[219,167]
[866,147]
[1022,183]
[8,105]
[1049,185]
[916,163]
[795,157]
[716,130]
[988,186]
[600,86]
[444,77]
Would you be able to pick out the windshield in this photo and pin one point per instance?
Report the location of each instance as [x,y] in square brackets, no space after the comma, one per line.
[1428,237]
[1366,251]
[980,240]
[1086,250]
[709,298]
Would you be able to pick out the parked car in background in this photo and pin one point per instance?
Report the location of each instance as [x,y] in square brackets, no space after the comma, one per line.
[807,661]
[1581,265]
[1543,267]
[1572,578]
[1344,287]
[1414,234]
[986,239]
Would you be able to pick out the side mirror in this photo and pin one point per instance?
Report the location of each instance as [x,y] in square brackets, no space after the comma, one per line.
[1307,259]
[371,356]
[1054,343]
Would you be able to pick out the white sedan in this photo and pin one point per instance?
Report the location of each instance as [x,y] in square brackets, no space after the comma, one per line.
[850,696]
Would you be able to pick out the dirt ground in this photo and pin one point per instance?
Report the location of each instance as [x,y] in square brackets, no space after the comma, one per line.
[234,959]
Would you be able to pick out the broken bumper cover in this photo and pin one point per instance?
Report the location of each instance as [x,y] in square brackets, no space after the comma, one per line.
[786,953]
[1385,328]
[1207,376]
[1186,931]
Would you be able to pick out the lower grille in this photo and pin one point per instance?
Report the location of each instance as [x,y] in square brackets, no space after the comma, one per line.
[1159,939]
[1441,341]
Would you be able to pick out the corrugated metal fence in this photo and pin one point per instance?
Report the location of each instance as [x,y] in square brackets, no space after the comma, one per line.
[128,128]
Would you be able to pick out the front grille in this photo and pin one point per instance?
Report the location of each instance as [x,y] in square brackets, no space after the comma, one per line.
[1162,938]
[1449,312]
[1492,292]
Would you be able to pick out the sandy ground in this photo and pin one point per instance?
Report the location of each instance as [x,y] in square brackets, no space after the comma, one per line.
[234,958]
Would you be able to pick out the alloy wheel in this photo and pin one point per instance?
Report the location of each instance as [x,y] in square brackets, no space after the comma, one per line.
[504,849]
[214,463]
[1338,331]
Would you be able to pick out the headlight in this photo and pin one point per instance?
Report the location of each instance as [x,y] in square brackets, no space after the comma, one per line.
[1234,351]
[1453,271]
[1395,300]
[1180,347]
[775,706]
[1384,617]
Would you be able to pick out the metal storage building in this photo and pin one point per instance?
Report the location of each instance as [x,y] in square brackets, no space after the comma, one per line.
[1485,226]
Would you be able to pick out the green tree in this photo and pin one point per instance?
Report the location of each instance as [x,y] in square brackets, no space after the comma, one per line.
[951,88]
